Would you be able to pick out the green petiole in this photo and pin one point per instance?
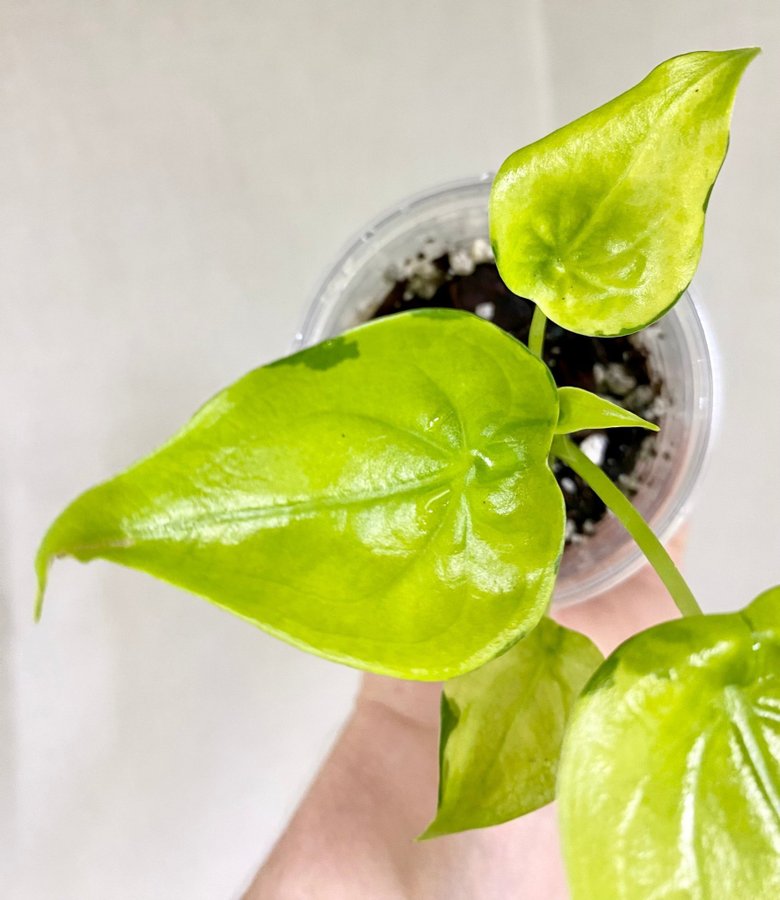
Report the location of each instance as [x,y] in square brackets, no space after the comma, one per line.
[569,453]
[536,334]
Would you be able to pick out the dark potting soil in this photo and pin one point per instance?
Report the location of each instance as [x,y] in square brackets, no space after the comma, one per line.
[615,368]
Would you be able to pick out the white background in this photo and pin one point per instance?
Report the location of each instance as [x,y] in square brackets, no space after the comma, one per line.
[174,178]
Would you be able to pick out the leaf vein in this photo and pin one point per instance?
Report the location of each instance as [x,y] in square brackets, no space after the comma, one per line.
[587,226]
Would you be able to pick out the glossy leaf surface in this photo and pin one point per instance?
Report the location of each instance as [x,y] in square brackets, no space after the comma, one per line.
[382,499]
[580,410]
[502,728]
[601,223]
[670,775]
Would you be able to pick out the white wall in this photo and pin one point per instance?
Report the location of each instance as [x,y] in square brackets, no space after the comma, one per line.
[174,177]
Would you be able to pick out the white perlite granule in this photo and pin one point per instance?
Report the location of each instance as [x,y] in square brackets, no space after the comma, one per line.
[462,262]
[594,446]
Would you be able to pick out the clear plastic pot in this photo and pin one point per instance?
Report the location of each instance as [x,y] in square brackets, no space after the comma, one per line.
[456,214]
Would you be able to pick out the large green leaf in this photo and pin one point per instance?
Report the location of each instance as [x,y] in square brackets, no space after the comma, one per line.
[502,728]
[670,776]
[382,499]
[601,223]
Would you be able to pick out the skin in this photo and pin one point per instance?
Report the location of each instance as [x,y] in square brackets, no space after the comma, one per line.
[352,837]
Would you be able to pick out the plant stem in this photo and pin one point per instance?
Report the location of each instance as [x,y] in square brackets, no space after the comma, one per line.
[570,454]
[536,334]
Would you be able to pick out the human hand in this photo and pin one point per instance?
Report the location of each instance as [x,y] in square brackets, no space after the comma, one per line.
[353,836]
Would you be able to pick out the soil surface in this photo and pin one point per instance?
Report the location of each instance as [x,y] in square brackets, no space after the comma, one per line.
[615,368]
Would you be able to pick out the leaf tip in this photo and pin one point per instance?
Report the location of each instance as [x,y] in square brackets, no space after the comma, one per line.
[741,57]
[42,574]
[48,551]
[430,832]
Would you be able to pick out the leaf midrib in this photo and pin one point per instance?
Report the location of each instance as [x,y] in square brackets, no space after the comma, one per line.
[183,526]
[588,225]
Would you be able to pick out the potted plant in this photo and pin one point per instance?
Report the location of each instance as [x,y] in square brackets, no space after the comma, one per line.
[385,498]
[433,250]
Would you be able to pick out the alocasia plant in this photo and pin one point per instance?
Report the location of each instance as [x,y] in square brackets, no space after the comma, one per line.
[385,499]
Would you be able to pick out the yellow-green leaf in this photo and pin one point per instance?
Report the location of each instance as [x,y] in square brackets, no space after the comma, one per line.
[601,223]
[670,774]
[382,499]
[579,410]
[502,728]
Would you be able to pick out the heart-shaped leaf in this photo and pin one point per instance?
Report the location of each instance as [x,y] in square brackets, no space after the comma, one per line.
[670,775]
[601,223]
[382,499]
[502,728]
